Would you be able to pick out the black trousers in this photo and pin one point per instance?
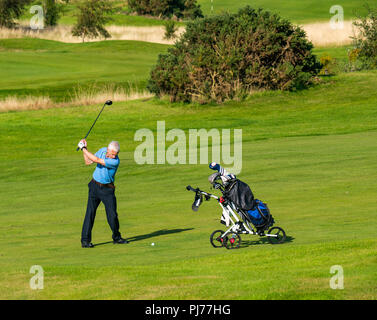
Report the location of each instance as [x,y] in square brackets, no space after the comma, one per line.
[106,195]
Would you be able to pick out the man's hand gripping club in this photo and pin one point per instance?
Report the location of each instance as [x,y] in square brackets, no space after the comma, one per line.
[89,157]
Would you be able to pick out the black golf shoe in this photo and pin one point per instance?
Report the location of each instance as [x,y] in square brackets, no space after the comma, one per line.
[87,245]
[120,241]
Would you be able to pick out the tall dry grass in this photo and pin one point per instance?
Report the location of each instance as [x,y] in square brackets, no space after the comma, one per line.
[321,34]
[154,34]
[60,33]
[63,34]
[96,94]
[79,97]
[13,103]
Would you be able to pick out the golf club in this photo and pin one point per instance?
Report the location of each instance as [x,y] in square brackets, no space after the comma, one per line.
[109,103]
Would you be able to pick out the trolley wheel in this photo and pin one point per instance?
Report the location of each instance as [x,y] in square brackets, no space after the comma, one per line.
[216,240]
[279,235]
[233,241]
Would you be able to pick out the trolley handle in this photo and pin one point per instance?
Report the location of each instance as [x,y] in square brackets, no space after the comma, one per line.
[197,190]
[189,188]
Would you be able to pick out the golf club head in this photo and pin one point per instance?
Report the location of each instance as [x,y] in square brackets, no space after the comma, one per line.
[109,102]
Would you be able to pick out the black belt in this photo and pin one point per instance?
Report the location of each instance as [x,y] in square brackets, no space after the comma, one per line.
[108,185]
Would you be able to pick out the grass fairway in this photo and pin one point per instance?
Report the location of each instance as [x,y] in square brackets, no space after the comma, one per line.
[36,67]
[310,155]
[295,10]
[49,68]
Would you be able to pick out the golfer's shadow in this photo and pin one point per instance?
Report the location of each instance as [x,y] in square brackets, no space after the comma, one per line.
[156,234]
[149,235]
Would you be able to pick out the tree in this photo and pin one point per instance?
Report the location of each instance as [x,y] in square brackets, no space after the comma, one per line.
[188,9]
[11,10]
[227,56]
[52,12]
[91,19]
[365,41]
[170,30]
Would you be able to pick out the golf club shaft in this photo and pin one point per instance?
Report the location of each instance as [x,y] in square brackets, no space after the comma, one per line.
[93,125]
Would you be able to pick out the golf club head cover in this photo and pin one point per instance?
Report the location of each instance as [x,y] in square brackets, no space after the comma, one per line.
[225,175]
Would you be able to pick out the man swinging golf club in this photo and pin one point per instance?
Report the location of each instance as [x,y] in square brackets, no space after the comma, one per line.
[101,188]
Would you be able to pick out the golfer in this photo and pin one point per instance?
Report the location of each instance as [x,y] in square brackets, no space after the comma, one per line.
[101,188]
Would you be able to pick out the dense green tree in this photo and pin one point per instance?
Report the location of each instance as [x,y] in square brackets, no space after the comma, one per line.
[11,10]
[170,30]
[91,19]
[188,9]
[230,55]
[365,40]
[52,12]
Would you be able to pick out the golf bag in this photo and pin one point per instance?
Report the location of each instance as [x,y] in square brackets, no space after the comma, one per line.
[254,210]
[240,194]
[260,215]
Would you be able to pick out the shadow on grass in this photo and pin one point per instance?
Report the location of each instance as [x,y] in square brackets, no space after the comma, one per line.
[99,244]
[263,240]
[149,235]
[157,233]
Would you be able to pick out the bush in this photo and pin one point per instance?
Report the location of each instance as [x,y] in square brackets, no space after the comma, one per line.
[366,39]
[229,55]
[187,9]
[354,63]
[329,65]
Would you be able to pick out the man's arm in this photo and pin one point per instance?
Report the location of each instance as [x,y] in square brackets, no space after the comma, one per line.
[86,159]
[90,158]
[82,145]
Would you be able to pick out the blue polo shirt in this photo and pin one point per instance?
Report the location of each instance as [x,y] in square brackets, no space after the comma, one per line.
[105,174]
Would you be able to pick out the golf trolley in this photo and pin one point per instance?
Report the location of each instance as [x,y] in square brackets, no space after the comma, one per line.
[238,220]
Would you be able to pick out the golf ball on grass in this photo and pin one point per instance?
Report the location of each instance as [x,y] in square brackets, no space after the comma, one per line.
[152,244]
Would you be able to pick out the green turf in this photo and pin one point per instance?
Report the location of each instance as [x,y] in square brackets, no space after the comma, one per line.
[121,16]
[310,155]
[295,10]
[49,68]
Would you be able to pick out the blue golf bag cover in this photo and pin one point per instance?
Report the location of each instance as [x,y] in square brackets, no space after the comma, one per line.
[255,215]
